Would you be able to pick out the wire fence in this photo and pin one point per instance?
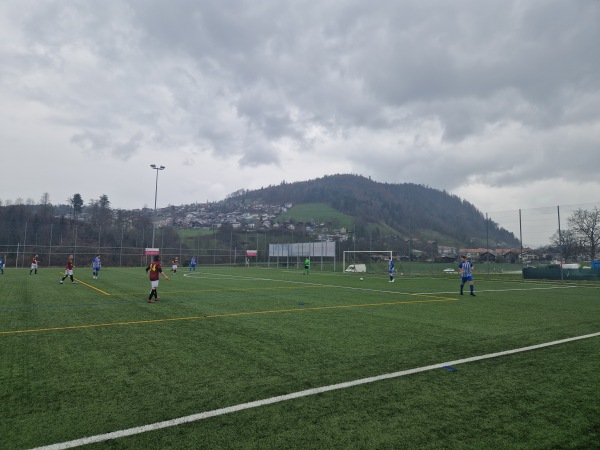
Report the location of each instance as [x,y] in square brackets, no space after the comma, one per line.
[536,228]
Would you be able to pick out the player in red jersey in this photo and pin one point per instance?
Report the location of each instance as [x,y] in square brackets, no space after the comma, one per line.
[153,269]
[34,264]
[69,270]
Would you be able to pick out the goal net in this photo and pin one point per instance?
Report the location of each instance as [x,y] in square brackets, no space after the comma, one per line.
[366,261]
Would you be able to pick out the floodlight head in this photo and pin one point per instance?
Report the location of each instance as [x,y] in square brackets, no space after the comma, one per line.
[153,166]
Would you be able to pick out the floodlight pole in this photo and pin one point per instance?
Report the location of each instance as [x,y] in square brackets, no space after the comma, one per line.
[157,168]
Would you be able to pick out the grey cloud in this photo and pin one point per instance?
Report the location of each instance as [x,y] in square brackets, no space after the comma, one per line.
[236,79]
[101,143]
[256,155]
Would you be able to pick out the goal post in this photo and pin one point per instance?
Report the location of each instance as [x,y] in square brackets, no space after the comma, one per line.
[366,260]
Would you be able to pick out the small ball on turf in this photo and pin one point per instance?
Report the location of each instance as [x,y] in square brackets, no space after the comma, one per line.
[361,278]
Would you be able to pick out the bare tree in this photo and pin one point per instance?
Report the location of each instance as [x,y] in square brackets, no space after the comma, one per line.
[45,199]
[567,244]
[586,225]
[45,206]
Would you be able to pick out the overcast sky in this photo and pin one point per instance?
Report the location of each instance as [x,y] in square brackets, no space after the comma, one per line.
[496,101]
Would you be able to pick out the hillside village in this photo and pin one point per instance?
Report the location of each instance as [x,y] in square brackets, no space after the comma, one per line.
[252,217]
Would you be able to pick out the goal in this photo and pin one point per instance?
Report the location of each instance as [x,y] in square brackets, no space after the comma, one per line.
[374,261]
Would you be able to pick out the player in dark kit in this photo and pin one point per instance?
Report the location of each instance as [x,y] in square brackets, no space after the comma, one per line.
[34,264]
[69,271]
[153,269]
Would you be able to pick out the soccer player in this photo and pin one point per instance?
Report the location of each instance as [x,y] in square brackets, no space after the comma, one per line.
[69,270]
[193,264]
[391,269]
[174,265]
[466,273]
[306,266]
[96,265]
[153,269]
[34,264]
[1,266]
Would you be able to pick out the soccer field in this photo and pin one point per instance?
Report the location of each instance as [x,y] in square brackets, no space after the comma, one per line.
[271,358]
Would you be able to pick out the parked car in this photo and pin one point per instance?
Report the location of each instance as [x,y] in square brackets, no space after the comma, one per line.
[449,270]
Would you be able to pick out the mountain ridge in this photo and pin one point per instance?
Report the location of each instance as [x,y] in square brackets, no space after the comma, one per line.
[407,208]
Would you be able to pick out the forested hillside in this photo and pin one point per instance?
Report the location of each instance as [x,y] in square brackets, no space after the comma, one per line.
[406,208]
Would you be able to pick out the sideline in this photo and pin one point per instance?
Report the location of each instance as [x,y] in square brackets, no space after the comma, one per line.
[294,395]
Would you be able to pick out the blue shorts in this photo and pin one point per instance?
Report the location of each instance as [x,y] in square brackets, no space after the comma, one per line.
[467,278]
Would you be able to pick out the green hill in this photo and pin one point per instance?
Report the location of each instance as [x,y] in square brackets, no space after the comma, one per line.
[318,213]
[370,208]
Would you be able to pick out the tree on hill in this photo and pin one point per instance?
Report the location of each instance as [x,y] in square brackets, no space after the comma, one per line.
[76,203]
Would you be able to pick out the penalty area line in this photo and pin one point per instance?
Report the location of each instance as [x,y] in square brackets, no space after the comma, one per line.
[295,395]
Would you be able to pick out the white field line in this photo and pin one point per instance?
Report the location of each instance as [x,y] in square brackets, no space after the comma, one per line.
[354,288]
[294,395]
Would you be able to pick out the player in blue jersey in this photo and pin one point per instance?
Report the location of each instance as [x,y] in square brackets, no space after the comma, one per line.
[1,266]
[391,269]
[96,265]
[466,272]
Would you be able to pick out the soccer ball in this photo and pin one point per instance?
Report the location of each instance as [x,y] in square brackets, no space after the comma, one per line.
[361,278]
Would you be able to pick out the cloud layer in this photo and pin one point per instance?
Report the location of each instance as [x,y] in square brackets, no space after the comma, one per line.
[496,101]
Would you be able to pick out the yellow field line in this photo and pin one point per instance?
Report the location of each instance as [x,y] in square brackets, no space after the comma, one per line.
[214,316]
[90,286]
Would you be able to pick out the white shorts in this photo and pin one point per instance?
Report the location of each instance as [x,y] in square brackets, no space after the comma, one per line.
[68,272]
[154,284]
[34,266]
[174,266]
